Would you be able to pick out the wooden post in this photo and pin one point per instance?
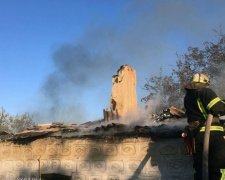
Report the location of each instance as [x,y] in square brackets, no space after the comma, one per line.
[109,115]
[105,114]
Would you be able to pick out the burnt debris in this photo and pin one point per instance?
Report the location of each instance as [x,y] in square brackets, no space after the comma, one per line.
[168,124]
[169,113]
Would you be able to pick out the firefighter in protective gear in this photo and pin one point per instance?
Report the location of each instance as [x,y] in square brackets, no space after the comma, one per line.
[199,101]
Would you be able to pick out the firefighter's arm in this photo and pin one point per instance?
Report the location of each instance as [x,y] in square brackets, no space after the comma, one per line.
[213,104]
[218,109]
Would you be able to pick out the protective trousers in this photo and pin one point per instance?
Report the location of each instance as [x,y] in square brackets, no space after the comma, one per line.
[216,153]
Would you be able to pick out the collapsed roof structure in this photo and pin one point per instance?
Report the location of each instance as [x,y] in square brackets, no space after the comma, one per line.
[160,127]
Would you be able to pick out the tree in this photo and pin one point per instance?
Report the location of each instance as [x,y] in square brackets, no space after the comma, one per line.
[209,60]
[163,86]
[15,124]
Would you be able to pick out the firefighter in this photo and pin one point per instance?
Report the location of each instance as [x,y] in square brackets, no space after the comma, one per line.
[200,101]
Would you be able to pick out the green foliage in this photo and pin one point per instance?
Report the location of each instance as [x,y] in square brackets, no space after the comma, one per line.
[209,60]
[15,124]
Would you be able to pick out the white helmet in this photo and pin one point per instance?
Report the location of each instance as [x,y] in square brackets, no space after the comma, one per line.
[201,78]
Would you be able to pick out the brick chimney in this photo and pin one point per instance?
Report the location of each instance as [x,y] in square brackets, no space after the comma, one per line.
[123,97]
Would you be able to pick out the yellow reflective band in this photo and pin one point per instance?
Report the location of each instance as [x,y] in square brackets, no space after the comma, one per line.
[223,174]
[202,109]
[197,80]
[212,128]
[214,101]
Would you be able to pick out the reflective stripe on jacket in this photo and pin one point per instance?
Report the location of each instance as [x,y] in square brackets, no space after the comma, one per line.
[212,128]
[199,103]
[223,174]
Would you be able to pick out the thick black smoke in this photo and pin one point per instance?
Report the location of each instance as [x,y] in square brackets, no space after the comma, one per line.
[76,70]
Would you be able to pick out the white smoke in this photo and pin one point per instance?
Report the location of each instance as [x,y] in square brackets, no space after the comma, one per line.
[143,116]
[218,84]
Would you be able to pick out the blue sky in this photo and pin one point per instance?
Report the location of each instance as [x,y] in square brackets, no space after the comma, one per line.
[57,57]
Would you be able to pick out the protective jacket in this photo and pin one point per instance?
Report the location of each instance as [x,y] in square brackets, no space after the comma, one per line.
[200,101]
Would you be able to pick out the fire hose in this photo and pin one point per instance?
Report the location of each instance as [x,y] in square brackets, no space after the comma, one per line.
[205,155]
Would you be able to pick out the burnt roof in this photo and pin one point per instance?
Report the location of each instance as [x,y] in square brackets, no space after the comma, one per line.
[102,130]
[168,124]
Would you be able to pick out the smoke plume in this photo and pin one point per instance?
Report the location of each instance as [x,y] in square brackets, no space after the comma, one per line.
[147,40]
